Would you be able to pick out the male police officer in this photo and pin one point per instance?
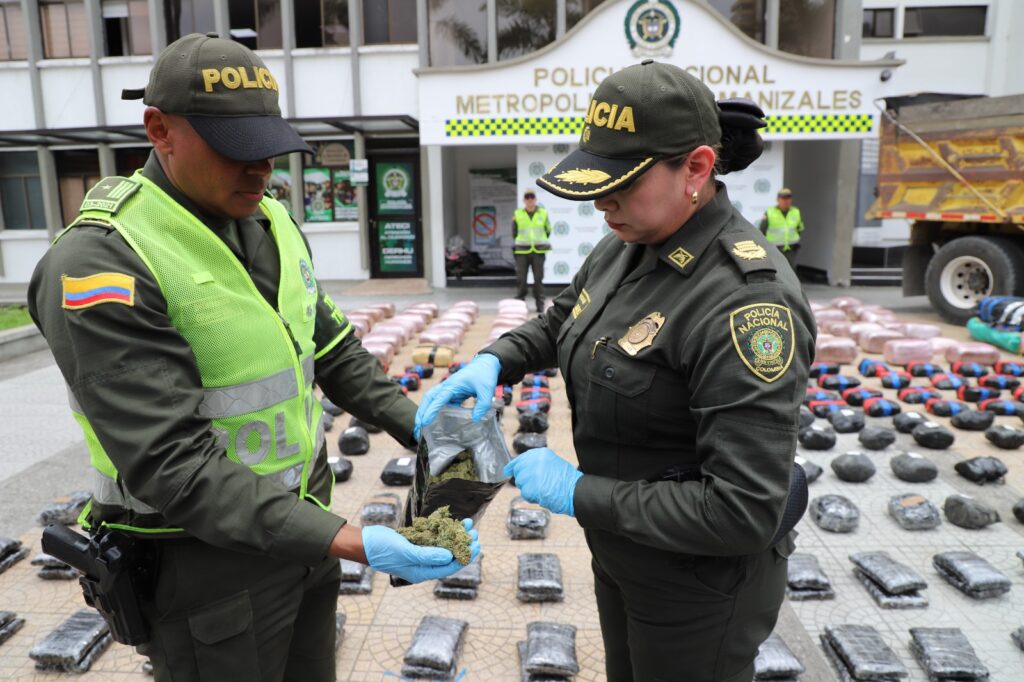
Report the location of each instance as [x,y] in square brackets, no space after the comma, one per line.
[531,232]
[782,225]
[183,312]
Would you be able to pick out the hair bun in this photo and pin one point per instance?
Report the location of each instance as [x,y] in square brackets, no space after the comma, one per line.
[740,120]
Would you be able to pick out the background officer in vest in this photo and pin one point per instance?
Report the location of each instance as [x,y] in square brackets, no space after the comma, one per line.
[531,231]
[685,344]
[783,225]
[183,312]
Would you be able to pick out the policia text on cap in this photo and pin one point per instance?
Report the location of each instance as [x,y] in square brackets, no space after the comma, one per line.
[183,311]
[685,341]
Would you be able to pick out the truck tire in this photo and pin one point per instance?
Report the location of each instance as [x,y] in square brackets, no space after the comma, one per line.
[968,269]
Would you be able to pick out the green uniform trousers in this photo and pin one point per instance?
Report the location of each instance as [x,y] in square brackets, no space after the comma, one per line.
[524,263]
[221,616]
[669,617]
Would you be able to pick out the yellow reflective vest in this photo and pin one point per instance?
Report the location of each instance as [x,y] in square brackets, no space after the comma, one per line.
[784,230]
[533,233]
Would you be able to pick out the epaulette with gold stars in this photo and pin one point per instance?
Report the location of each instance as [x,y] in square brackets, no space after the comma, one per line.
[748,255]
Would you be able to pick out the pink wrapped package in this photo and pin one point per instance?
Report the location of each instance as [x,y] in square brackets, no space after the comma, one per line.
[392,339]
[835,328]
[511,304]
[398,330]
[373,313]
[817,306]
[922,331]
[973,351]
[359,328]
[829,315]
[411,320]
[844,303]
[858,328]
[387,308]
[904,351]
[874,341]
[835,349]
[362,318]
[442,337]
[469,306]
[447,326]
[383,353]
[432,308]
[877,316]
[465,318]
[900,327]
[940,344]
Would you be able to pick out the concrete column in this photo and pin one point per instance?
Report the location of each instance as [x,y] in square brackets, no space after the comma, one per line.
[355,36]
[34,41]
[559,18]
[433,193]
[364,210]
[94,18]
[771,23]
[51,191]
[287,45]
[221,18]
[492,31]
[298,189]
[108,165]
[157,26]
[423,32]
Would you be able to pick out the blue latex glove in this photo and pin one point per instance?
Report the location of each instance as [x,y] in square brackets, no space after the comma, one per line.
[545,479]
[387,551]
[479,378]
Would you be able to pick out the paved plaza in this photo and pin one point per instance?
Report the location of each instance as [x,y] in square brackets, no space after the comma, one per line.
[46,459]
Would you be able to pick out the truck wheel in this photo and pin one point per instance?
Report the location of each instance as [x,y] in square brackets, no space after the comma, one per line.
[968,269]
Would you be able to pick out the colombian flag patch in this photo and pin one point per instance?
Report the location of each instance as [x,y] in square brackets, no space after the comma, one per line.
[105,287]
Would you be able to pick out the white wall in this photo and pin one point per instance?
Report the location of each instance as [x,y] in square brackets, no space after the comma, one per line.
[20,250]
[17,112]
[119,73]
[68,99]
[336,250]
[323,82]
[386,79]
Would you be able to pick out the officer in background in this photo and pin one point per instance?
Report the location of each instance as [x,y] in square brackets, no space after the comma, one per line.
[531,231]
[183,311]
[685,343]
[782,225]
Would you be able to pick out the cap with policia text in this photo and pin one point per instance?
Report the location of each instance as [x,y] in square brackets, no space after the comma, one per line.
[226,93]
[639,115]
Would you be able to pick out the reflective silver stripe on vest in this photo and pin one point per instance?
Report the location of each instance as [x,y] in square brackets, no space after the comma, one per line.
[289,478]
[307,370]
[105,490]
[233,401]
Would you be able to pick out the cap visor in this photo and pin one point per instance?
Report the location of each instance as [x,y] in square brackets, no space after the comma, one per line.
[583,176]
[249,138]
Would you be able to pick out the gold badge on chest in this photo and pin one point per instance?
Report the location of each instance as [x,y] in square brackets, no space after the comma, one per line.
[641,335]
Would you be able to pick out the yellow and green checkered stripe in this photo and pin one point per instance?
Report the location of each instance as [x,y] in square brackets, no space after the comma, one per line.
[791,124]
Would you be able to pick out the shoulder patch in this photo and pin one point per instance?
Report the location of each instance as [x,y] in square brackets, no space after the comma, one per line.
[762,334]
[109,194]
[748,255]
[104,287]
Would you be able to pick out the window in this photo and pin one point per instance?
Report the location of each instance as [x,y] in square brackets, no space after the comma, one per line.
[188,16]
[21,194]
[77,172]
[879,23]
[746,15]
[524,26]
[963,20]
[807,27]
[389,21]
[12,32]
[575,10]
[458,33]
[328,193]
[256,23]
[65,29]
[127,160]
[126,28]
[321,23]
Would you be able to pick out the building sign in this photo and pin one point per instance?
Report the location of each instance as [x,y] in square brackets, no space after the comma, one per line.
[397,243]
[543,98]
[394,188]
[346,206]
[492,196]
[319,199]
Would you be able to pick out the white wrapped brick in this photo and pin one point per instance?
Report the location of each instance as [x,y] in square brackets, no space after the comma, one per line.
[904,351]
[973,351]
[835,349]
[923,331]
[874,341]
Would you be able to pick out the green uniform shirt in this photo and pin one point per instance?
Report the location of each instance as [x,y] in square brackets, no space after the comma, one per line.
[136,380]
[714,397]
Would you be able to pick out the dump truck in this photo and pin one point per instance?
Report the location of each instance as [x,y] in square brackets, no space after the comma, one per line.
[954,165]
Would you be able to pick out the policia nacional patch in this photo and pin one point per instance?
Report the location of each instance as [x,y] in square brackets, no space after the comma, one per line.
[762,334]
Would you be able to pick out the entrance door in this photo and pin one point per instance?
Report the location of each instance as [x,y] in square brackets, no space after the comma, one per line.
[396,232]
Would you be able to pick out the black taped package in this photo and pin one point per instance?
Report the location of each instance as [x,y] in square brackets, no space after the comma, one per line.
[914,512]
[806,417]
[817,395]
[527,521]
[341,467]
[356,578]
[339,628]
[947,382]
[822,408]
[9,624]
[913,468]
[535,381]
[881,407]
[528,441]
[819,368]
[354,441]
[399,471]
[1018,510]
[923,369]
[981,470]
[973,420]
[1007,383]
[876,437]
[858,652]
[918,395]
[330,408]
[327,420]
[847,420]
[869,367]
[540,578]
[74,645]
[812,472]
[946,654]
[908,421]
[967,512]
[890,583]
[443,591]
[1003,407]
[526,676]
[857,396]
[806,580]
[380,510]
[972,575]
[469,575]
[551,649]
[65,512]
[535,405]
[11,552]
[896,379]
[837,382]
[435,649]
[537,422]
[945,408]
[1018,637]
[834,513]
[932,435]
[776,661]
[853,467]
[366,426]
[52,568]
[817,437]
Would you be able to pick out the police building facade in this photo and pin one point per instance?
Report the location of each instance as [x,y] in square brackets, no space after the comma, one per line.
[429,118]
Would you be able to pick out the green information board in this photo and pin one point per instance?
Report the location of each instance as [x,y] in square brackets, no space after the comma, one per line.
[397,242]
[395,188]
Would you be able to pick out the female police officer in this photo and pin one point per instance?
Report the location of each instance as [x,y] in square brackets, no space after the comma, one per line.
[685,342]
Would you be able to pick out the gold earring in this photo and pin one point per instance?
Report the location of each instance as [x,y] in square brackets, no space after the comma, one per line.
[693,198]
